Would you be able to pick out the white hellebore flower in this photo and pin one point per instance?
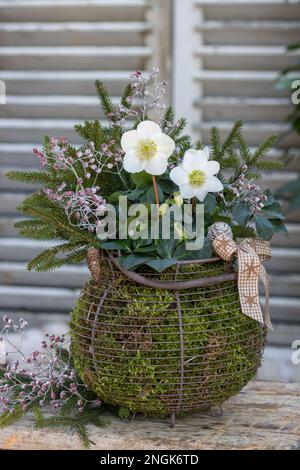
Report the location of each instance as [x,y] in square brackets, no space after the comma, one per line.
[147,148]
[196,175]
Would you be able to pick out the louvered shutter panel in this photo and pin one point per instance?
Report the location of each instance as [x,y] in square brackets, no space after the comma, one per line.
[51,52]
[227,56]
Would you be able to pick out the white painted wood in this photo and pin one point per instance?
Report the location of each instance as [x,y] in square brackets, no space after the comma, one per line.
[79,10]
[69,82]
[106,26]
[293,238]
[211,25]
[185,41]
[53,106]
[10,201]
[285,260]
[68,276]
[119,51]
[58,3]
[51,54]
[245,2]
[240,47]
[18,155]
[38,298]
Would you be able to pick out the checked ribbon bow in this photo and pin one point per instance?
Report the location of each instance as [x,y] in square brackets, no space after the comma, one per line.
[250,254]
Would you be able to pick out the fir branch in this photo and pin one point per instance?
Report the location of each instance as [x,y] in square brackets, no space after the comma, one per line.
[199,145]
[40,207]
[106,103]
[47,260]
[168,118]
[264,148]
[83,434]
[7,418]
[36,229]
[215,143]
[266,165]
[231,160]
[30,177]
[244,150]
[77,422]
[126,94]
[232,137]
[91,131]
[178,128]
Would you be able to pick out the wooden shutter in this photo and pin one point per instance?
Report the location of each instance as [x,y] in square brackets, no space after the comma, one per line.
[51,52]
[227,56]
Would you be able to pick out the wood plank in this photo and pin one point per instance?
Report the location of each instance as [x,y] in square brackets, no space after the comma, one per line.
[82,10]
[265,416]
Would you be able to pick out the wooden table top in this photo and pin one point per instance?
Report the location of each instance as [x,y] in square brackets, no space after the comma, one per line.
[265,415]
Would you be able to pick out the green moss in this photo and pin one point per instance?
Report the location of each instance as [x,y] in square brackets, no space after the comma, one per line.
[132,357]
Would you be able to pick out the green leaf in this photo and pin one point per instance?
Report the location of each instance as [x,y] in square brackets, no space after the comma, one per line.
[161,264]
[132,261]
[114,197]
[146,249]
[220,217]
[241,213]
[165,248]
[167,186]
[264,227]
[242,232]
[113,245]
[210,203]
[142,179]
[272,214]
[205,252]
[150,195]
[136,194]
[279,226]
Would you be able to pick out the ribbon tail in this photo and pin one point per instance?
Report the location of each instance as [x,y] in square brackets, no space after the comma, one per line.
[266,282]
[248,289]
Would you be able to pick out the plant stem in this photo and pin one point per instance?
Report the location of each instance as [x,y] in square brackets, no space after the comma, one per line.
[194,205]
[155,191]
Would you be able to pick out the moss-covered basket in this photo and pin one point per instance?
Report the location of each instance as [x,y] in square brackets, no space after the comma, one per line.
[161,351]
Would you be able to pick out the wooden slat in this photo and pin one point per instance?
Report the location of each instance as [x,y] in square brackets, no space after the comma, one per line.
[53,106]
[13,273]
[265,416]
[68,82]
[255,25]
[80,58]
[102,33]
[244,2]
[78,10]
[38,299]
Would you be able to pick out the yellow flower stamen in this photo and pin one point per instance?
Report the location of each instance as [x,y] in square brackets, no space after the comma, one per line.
[147,149]
[197,178]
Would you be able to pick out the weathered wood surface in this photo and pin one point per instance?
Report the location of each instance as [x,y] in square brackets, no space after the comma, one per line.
[266,415]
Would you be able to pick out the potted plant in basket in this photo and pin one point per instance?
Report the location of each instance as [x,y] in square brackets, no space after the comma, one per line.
[175,235]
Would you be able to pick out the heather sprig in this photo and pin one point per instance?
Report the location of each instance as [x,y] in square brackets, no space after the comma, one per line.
[147,93]
[44,378]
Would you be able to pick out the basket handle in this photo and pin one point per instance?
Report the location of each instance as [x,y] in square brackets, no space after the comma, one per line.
[172,285]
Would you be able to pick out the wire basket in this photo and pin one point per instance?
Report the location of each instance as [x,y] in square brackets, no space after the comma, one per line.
[165,344]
